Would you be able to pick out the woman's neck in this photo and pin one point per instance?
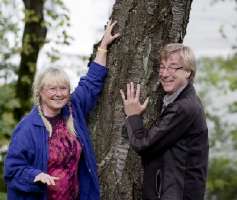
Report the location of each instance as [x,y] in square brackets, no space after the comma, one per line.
[49,112]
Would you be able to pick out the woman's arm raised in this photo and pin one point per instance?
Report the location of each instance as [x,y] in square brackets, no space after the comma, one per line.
[107,39]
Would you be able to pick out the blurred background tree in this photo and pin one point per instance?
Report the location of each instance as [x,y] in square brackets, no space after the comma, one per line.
[9,55]
[39,16]
[217,86]
[19,51]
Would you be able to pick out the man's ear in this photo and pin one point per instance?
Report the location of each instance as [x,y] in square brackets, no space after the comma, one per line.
[187,74]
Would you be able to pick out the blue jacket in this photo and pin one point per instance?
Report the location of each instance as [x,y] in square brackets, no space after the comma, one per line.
[28,151]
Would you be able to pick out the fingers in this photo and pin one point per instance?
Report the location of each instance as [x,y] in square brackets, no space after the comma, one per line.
[144,105]
[132,90]
[109,29]
[108,25]
[112,25]
[128,91]
[122,95]
[46,178]
[51,180]
[109,22]
[115,36]
[137,95]
[132,105]
[108,38]
[133,94]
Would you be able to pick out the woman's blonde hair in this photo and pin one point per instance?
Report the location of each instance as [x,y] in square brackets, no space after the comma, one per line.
[51,76]
[186,53]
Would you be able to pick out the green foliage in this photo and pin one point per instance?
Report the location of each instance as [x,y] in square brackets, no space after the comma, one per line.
[9,38]
[7,123]
[222,182]
[233,107]
[3,196]
[234,137]
[12,19]
[3,188]
[216,83]
[217,86]
[7,104]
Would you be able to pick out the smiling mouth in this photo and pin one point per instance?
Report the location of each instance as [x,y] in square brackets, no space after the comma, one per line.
[58,100]
[167,82]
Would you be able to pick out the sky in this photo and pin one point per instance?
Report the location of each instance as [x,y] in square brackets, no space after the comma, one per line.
[89,17]
[203,31]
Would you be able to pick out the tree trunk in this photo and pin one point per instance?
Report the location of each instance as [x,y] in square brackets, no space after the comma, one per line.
[145,27]
[33,38]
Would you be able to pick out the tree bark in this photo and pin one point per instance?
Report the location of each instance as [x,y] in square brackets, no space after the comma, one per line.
[145,26]
[33,38]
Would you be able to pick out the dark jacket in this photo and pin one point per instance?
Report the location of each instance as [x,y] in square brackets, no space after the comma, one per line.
[174,151]
[28,151]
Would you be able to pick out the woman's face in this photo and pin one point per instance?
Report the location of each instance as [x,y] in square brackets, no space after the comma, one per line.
[53,97]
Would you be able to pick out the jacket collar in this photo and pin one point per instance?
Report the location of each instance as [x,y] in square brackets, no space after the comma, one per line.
[187,91]
[169,98]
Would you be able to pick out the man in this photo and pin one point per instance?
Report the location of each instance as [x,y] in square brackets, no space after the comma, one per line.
[174,151]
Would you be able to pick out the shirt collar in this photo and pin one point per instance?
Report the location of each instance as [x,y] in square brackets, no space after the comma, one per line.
[169,98]
[37,120]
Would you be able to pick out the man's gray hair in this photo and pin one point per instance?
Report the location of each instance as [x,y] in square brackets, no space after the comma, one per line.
[186,53]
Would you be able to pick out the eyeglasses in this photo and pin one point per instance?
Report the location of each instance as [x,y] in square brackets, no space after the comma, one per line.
[170,68]
[55,89]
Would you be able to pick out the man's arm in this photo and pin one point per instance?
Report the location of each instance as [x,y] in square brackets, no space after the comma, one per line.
[172,125]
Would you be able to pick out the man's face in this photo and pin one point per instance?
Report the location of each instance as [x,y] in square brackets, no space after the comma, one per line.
[172,74]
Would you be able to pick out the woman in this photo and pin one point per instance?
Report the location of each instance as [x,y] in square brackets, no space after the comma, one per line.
[50,155]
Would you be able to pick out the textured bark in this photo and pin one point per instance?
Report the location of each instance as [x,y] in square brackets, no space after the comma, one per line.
[145,27]
[33,38]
